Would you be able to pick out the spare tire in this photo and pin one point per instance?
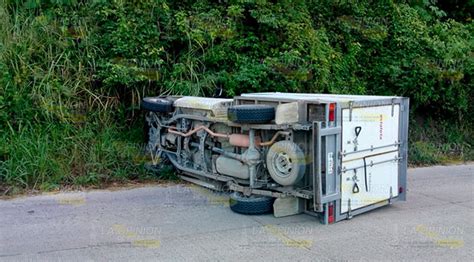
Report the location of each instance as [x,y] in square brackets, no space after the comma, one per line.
[251,114]
[157,104]
[286,163]
[251,205]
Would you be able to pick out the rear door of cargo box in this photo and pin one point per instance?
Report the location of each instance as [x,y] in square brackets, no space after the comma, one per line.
[370,143]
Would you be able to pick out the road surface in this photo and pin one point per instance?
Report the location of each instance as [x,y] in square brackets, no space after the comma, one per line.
[187,223]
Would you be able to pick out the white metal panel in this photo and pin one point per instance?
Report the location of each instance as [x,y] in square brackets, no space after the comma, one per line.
[287,113]
[218,106]
[379,128]
[381,179]
[205,103]
[315,97]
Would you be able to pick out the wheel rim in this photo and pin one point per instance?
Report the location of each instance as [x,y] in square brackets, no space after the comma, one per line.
[283,164]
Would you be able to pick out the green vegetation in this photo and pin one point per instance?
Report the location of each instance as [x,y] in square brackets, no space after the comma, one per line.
[72,72]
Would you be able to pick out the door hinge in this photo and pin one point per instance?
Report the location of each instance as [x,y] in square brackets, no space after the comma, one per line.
[393,106]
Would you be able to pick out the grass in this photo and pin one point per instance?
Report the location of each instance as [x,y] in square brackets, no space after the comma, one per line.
[58,129]
[439,142]
[54,156]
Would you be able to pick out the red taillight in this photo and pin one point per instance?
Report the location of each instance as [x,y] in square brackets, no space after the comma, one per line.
[332,108]
[330,213]
[400,190]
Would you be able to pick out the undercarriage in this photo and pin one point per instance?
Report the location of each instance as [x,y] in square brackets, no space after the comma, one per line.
[263,149]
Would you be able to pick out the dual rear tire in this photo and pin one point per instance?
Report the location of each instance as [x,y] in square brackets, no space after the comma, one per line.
[251,114]
[250,205]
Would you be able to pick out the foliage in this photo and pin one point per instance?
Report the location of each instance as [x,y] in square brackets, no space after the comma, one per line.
[433,142]
[73,72]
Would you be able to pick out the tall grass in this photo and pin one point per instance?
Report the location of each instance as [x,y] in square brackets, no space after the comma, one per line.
[439,142]
[55,129]
[50,156]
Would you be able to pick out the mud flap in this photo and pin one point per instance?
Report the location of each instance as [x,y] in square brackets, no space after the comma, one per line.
[287,206]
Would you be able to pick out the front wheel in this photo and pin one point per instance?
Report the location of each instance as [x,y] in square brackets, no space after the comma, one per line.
[157,104]
[251,205]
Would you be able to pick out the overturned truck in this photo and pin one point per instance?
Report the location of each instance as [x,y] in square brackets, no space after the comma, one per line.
[331,156]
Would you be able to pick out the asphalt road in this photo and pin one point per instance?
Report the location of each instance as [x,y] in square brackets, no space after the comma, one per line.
[183,223]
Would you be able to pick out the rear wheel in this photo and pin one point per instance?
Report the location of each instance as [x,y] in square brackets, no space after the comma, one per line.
[251,205]
[251,114]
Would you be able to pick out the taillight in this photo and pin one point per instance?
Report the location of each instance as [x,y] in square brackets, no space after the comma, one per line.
[332,114]
[400,190]
[330,213]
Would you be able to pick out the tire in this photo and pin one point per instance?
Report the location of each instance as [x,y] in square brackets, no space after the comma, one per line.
[285,163]
[164,169]
[157,104]
[251,114]
[252,205]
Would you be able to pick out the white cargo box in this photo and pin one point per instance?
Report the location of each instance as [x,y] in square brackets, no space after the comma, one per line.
[358,148]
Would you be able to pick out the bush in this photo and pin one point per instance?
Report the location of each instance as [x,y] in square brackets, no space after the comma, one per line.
[73,72]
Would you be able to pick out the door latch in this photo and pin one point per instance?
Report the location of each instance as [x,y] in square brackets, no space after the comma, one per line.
[357,133]
[355,187]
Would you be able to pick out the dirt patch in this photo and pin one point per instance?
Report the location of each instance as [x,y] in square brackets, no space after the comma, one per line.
[8,193]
